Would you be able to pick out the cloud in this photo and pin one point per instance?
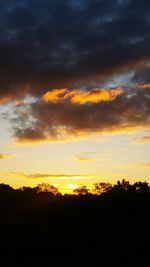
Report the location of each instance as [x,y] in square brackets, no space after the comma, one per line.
[142,75]
[145,164]
[59,44]
[81,97]
[48,176]
[84,158]
[142,139]
[141,165]
[6,156]
[63,120]
[54,45]
[143,86]
[121,149]
[52,176]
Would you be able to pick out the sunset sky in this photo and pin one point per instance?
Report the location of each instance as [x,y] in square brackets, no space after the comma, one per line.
[74,92]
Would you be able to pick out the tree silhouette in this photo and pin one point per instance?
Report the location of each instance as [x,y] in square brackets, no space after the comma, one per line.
[28,190]
[83,190]
[142,187]
[5,188]
[100,188]
[47,188]
[122,187]
[35,213]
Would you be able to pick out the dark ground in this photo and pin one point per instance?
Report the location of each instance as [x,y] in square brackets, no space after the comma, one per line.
[43,230]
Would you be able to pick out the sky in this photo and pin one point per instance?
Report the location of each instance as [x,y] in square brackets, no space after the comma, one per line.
[74,92]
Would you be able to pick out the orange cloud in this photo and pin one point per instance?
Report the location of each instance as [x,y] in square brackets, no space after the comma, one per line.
[144,86]
[96,96]
[82,97]
[54,95]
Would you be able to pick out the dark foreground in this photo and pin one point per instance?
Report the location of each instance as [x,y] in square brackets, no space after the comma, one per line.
[86,230]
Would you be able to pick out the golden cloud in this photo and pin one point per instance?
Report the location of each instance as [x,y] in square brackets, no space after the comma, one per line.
[142,139]
[79,96]
[145,164]
[83,158]
[6,156]
[48,176]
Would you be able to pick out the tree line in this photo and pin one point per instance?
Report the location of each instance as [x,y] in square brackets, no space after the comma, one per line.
[105,226]
[98,188]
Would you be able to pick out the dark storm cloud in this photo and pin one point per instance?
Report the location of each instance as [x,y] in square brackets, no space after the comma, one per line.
[55,43]
[142,75]
[64,120]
